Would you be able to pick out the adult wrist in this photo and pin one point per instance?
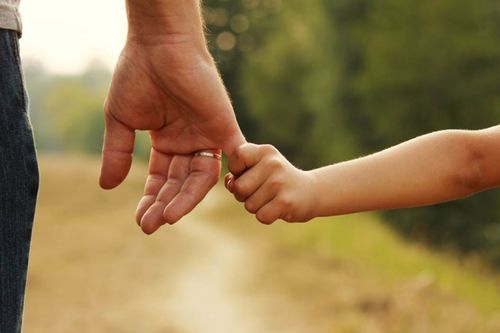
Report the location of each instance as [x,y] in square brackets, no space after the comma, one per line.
[171,21]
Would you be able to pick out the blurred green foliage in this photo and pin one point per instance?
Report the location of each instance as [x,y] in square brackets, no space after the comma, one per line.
[328,80]
[334,79]
[430,65]
[67,110]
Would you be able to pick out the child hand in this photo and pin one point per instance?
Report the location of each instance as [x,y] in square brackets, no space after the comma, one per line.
[271,187]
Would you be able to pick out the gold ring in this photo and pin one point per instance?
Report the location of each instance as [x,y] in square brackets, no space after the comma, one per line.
[208,154]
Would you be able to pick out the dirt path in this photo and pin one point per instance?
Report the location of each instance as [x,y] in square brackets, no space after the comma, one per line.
[208,296]
[212,291]
[93,270]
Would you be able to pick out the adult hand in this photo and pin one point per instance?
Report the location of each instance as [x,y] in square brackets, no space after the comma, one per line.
[170,87]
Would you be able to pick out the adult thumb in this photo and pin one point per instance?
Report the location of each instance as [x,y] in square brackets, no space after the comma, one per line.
[117,152]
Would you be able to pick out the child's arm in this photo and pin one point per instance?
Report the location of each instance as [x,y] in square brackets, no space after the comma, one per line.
[430,169]
[433,168]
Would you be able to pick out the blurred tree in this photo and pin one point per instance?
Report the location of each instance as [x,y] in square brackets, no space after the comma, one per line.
[328,80]
[337,78]
[66,110]
[431,65]
[38,82]
[290,83]
[235,29]
[76,112]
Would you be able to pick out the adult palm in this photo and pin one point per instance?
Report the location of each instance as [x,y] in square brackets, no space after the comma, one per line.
[174,91]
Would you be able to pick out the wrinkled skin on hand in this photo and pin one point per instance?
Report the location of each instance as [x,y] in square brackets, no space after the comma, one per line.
[173,90]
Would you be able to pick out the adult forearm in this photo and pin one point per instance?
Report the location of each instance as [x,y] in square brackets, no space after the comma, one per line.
[175,20]
[434,168]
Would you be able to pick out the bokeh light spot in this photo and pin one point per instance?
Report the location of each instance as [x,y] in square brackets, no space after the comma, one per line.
[239,24]
[226,41]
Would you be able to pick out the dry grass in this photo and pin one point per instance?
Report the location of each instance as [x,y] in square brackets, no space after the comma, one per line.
[91,269]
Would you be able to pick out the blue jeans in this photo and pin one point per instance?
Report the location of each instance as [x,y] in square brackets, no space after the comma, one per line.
[18,184]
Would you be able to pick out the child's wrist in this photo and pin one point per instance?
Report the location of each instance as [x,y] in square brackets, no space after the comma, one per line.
[321,200]
[310,194]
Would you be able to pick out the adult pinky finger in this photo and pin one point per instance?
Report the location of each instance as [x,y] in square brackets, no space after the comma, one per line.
[269,213]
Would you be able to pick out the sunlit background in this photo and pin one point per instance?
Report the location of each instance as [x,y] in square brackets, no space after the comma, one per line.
[65,35]
[324,81]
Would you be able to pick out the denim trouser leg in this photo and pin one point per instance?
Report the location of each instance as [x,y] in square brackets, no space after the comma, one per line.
[18,185]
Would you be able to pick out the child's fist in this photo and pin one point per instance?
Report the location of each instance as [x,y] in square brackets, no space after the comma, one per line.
[269,185]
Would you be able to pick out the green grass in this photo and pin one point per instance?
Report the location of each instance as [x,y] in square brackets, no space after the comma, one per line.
[364,239]
[354,272]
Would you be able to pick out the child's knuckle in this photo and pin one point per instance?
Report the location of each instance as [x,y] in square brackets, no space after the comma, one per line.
[238,187]
[239,197]
[284,202]
[275,184]
[274,164]
[268,149]
[251,207]
[263,218]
